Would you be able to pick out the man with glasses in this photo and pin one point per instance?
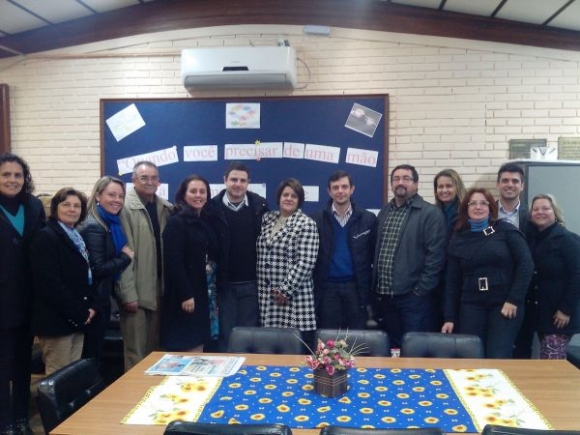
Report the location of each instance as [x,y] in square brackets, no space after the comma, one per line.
[409,257]
[143,217]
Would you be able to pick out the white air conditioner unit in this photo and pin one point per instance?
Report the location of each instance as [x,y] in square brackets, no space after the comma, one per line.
[239,67]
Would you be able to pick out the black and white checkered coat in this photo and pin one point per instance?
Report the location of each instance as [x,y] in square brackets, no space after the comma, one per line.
[286,262]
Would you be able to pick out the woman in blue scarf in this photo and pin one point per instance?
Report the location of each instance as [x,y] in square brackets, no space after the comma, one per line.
[489,269]
[109,255]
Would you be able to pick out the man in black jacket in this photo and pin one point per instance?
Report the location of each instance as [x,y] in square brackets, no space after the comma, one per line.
[343,271]
[236,216]
[409,257]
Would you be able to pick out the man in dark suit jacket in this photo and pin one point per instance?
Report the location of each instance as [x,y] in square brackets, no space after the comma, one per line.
[510,184]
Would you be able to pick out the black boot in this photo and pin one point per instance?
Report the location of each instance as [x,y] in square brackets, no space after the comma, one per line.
[23,427]
[9,430]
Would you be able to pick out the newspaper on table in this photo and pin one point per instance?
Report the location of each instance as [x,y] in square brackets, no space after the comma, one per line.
[193,365]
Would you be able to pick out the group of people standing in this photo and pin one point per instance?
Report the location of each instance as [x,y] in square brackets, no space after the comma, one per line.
[185,274]
[511,272]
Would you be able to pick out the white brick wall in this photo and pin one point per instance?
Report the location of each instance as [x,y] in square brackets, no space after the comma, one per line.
[453,103]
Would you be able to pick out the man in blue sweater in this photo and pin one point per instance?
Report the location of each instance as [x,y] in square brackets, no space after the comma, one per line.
[343,271]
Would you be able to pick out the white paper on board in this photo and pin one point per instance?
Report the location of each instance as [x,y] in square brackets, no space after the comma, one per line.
[363,120]
[162,157]
[242,115]
[293,150]
[200,153]
[322,153]
[357,156]
[125,122]
[311,193]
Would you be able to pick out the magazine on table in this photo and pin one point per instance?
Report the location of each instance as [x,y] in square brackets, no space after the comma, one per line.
[196,365]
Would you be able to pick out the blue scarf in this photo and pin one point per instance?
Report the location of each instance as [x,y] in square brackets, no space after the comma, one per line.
[114,224]
[77,239]
[478,225]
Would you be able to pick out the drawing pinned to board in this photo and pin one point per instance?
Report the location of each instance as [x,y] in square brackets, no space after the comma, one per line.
[125,122]
[242,115]
[363,120]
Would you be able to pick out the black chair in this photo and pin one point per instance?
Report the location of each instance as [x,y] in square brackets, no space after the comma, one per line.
[246,339]
[339,430]
[492,429]
[65,391]
[183,427]
[372,342]
[439,345]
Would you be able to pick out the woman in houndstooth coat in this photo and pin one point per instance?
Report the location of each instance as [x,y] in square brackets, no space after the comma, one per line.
[287,249]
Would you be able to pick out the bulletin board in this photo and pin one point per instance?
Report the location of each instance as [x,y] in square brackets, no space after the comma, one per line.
[302,137]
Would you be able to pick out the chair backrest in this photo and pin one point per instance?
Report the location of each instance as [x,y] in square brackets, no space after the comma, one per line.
[63,392]
[246,339]
[374,342]
[492,429]
[339,430]
[439,345]
[183,427]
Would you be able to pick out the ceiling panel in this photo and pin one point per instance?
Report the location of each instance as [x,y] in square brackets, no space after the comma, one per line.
[530,11]
[14,20]
[109,5]
[56,11]
[568,19]
[479,7]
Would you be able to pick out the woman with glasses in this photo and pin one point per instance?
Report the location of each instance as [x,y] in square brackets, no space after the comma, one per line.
[287,250]
[109,255]
[555,290]
[489,268]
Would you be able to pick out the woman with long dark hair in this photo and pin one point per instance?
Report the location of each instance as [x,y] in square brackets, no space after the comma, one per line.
[109,255]
[489,268]
[21,215]
[189,246]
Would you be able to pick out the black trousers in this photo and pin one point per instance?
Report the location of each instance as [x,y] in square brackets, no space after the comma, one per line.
[15,367]
[341,307]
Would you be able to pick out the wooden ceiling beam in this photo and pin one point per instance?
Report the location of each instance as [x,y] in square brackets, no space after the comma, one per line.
[167,15]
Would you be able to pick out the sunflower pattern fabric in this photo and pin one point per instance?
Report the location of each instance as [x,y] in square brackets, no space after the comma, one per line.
[454,400]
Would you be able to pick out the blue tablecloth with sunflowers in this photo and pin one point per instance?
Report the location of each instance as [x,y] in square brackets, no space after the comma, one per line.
[454,400]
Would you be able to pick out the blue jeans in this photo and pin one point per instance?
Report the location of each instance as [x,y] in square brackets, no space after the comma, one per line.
[238,306]
[404,313]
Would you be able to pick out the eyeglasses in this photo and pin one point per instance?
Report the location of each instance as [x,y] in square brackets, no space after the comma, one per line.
[406,179]
[146,179]
[478,203]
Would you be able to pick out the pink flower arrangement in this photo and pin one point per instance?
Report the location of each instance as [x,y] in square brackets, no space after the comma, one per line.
[331,356]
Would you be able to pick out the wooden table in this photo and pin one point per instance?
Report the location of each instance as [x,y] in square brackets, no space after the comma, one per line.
[553,386]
